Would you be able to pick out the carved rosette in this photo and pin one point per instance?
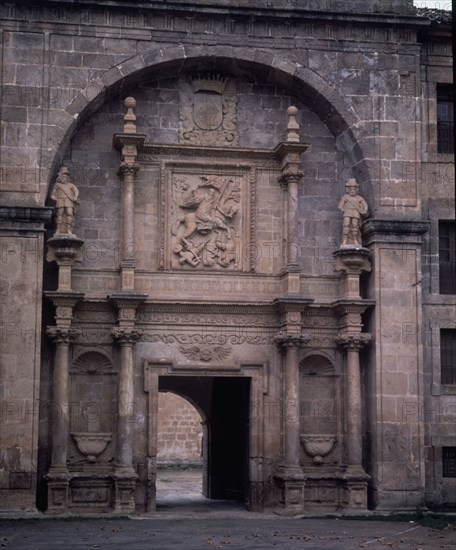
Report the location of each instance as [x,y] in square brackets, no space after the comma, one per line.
[126,335]
[286,340]
[62,335]
[353,342]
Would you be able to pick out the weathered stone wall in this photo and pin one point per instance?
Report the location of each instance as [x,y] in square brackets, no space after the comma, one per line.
[365,85]
[179,431]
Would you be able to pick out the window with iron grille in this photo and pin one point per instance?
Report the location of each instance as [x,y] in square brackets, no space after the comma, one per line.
[447,257]
[448,355]
[445,119]
[448,461]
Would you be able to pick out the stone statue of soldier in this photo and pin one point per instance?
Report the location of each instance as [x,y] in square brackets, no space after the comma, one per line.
[66,196]
[354,209]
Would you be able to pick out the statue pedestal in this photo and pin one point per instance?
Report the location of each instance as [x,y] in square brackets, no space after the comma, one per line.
[65,250]
[351,261]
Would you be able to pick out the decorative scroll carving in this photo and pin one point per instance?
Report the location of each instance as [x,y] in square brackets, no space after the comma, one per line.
[263,338]
[206,353]
[208,111]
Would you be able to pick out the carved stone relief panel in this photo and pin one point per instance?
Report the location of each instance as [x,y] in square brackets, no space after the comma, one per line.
[207,216]
[207,111]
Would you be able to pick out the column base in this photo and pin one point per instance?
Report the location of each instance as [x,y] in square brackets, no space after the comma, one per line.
[354,497]
[125,480]
[290,491]
[58,482]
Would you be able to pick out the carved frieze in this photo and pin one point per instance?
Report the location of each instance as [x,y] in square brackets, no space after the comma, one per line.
[206,216]
[206,353]
[207,108]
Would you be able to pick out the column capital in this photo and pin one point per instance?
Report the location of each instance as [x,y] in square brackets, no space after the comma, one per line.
[128,168]
[62,335]
[289,176]
[286,340]
[353,342]
[126,335]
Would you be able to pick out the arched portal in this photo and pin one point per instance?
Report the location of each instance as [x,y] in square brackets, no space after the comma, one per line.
[224,403]
[314,91]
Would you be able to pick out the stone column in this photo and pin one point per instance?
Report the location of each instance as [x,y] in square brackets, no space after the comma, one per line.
[126,338]
[289,154]
[126,335]
[355,477]
[65,250]
[290,478]
[352,343]
[128,143]
[63,335]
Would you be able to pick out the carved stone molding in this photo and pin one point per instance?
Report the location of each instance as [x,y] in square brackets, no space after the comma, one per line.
[62,335]
[126,335]
[206,353]
[208,111]
[353,341]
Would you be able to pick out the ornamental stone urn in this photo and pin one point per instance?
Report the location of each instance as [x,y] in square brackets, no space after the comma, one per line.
[317,446]
[92,444]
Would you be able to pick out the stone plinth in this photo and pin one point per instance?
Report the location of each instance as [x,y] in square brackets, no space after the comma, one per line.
[351,261]
[65,250]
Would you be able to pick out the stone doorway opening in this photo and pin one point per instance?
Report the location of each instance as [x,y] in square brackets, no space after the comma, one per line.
[223,404]
[179,452]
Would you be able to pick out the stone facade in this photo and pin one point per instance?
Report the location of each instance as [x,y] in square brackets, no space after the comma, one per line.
[210,144]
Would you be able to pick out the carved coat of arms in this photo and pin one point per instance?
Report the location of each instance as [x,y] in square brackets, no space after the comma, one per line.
[208,111]
[205,231]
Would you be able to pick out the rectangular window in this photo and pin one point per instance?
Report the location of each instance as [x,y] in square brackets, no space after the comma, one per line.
[448,356]
[445,119]
[447,257]
[448,461]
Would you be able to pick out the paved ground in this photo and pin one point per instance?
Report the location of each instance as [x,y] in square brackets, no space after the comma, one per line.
[186,520]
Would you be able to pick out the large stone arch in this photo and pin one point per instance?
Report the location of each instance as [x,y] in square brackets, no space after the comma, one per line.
[306,84]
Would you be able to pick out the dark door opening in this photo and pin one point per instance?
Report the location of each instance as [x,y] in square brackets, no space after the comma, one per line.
[224,403]
[229,444]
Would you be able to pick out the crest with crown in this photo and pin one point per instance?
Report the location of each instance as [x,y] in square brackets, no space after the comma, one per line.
[209,83]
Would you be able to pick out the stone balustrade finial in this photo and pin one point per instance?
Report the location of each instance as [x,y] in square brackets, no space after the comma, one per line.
[130,117]
[292,126]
